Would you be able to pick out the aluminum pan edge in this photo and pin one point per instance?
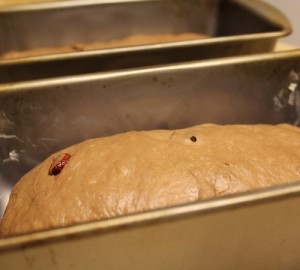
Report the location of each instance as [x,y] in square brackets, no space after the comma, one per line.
[272,13]
[226,61]
[64,4]
[132,49]
[205,207]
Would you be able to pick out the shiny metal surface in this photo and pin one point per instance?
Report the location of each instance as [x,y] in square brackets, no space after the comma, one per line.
[72,22]
[255,230]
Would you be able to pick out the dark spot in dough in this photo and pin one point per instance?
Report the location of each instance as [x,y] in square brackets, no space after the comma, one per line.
[193,138]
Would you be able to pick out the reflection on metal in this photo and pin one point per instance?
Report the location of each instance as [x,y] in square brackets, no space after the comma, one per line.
[289,96]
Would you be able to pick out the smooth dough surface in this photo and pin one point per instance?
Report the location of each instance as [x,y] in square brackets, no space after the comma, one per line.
[137,171]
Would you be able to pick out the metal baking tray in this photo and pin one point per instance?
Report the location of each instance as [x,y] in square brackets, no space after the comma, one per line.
[236,27]
[254,230]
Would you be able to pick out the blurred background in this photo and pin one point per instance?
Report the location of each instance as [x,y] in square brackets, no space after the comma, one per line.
[291,8]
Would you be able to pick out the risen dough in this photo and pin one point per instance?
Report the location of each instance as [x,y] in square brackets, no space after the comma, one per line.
[133,40]
[137,171]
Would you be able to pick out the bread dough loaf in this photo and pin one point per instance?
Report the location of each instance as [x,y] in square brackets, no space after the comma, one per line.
[133,40]
[137,171]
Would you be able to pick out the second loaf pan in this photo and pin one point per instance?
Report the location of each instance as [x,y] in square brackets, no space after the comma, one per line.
[70,23]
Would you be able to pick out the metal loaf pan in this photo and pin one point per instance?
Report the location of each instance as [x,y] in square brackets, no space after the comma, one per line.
[236,27]
[254,230]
